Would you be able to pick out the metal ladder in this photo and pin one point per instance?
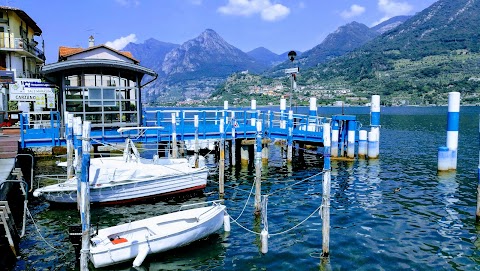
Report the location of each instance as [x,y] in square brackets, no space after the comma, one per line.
[5,215]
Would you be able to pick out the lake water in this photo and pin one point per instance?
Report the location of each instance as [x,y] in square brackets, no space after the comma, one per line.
[429,224]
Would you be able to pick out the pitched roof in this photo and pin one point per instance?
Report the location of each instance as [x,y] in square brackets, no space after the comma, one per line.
[64,52]
[24,16]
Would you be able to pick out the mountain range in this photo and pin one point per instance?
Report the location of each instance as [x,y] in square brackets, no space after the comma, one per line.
[396,58]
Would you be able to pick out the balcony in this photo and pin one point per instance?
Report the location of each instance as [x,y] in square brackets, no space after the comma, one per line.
[23,45]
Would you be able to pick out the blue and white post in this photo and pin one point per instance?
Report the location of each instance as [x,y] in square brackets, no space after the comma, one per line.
[70,145]
[283,108]
[221,167]
[312,115]
[374,134]
[362,144]
[85,197]
[326,192]
[233,145]
[290,137]
[447,157]
[253,107]
[174,136]
[196,147]
[77,162]
[258,168]
[352,127]
[335,134]
[224,113]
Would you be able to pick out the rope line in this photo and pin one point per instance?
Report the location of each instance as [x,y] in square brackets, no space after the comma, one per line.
[278,233]
[38,230]
[301,181]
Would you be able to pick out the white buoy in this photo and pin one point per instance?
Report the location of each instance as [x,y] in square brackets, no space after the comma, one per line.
[226,222]
[264,239]
[142,254]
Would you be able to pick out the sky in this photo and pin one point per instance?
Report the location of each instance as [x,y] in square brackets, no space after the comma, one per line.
[278,25]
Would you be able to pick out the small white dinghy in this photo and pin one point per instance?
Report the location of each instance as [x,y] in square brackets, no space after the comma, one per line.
[137,239]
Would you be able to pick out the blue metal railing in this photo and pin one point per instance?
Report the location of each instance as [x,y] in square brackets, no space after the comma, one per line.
[45,128]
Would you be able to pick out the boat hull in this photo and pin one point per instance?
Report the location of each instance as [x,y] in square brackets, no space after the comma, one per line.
[155,234]
[128,191]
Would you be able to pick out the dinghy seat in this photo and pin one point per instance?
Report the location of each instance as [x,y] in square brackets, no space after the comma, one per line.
[118,240]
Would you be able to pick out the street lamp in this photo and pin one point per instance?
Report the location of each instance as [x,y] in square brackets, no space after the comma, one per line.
[292,72]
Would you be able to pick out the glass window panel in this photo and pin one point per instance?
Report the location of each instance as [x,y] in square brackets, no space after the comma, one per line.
[88,80]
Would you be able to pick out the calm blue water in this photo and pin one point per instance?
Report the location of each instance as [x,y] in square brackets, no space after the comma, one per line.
[428,225]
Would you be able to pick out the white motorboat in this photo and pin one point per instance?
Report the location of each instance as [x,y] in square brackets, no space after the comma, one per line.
[137,239]
[129,178]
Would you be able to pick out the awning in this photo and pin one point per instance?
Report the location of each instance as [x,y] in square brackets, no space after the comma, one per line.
[50,69]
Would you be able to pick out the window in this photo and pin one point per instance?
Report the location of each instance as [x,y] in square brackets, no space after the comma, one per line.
[101,97]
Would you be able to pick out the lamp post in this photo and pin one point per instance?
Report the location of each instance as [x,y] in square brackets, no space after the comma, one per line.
[292,72]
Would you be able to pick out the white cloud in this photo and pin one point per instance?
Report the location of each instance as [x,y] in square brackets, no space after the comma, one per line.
[267,10]
[391,8]
[120,43]
[275,12]
[354,11]
[128,3]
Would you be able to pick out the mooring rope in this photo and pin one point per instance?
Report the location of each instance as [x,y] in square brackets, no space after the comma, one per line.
[282,232]
[301,181]
[38,230]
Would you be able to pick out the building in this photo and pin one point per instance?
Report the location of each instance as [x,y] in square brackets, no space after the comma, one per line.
[99,84]
[20,57]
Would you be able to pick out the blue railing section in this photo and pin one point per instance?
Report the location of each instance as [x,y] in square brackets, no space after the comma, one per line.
[48,130]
